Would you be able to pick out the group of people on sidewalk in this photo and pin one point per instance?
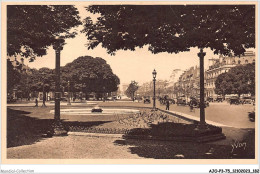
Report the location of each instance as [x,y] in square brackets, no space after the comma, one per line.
[43,101]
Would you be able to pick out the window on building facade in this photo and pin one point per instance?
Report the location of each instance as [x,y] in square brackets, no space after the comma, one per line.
[246,61]
[239,62]
[233,62]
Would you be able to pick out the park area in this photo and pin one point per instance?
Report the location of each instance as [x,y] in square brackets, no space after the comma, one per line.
[146,134]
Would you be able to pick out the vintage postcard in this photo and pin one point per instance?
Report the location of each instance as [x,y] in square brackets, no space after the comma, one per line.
[129,83]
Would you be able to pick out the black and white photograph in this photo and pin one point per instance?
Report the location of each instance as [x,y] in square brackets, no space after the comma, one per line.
[129,81]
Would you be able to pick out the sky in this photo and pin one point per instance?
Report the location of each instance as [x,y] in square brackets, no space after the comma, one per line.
[127,65]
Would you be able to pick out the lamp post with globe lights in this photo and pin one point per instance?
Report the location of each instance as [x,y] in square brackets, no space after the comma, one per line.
[58,126]
[68,93]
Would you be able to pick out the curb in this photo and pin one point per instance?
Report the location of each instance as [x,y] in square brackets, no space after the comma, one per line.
[191,118]
[200,139]
[95,134]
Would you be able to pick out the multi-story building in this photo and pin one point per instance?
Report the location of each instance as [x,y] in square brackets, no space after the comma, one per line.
[188,83]
[161,86]
[222,65]
[145,89]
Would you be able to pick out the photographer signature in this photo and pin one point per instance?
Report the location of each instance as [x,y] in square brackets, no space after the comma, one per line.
[237,145]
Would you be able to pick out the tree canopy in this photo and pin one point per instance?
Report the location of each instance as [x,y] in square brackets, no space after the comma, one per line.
[85,74]
[172,28]
[31,29]
[132,88]
[95,73]
[13,76]
[238,80]
[42,79]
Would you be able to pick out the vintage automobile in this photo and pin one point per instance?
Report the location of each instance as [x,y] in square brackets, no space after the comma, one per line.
[64,99]
[234,100]
[193,102]
[147,99]
[196,102]
[181,101]
[210,99]
[206,104]
[109,98]
[251,116]
[219,99]
[246,100]
[172,101]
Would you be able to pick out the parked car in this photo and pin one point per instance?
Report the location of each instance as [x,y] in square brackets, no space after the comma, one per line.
[172,101]
[196,102]
[181,101]
[219,99]
[210,99]
[147,99]
[251,116]
[246,100]
[109,98]
[206,104]
[63,99]
[234,100]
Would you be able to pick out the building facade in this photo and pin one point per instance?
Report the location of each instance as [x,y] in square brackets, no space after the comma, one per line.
[188,83]
[222,65]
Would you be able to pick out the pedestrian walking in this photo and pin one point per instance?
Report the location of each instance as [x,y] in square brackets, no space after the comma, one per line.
[191,107]
[36,102]
[43,100]
[167,104]
[191,104]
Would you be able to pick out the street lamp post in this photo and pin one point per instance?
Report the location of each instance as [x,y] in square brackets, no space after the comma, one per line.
[43,95]
[68,93]
[43,90]
[58,127]
[84,92]
[154,79]
[104,88]
[202,123]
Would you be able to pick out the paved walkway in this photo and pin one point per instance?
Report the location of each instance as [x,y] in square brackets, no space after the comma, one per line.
[102,146]
[72,147]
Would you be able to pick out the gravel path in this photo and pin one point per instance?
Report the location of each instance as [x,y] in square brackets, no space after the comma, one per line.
[85,147]
[72,147]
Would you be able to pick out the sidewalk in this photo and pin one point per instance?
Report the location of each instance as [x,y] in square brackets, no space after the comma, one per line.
[114,147]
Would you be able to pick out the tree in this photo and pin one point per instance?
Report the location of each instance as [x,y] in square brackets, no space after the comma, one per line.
[238,80]
[31,29]
[223,84]
[95,73]
[132,88]
[13,76]
[42,80]
[172,29]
